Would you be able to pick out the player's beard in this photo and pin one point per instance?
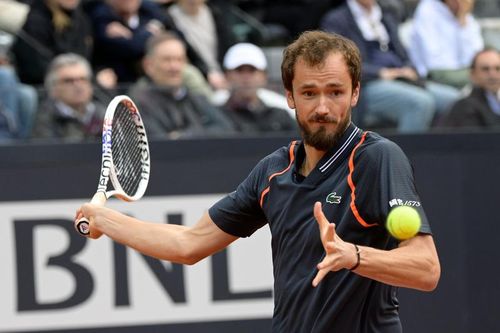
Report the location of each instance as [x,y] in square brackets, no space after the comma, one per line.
[321,139]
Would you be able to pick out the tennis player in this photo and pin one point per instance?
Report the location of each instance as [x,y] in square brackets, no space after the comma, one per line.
[325,199]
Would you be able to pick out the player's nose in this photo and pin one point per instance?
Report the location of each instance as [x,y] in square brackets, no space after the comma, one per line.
[322,107]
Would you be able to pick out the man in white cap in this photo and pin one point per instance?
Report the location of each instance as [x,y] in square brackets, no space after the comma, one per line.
[252,108]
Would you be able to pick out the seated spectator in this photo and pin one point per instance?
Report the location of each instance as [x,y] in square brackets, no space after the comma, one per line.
[206,31]
[392,90]
[69,112]
[169,109]
[121,29]
[251,107]
[18,102]
[443,39]
[51,28]
[481,108]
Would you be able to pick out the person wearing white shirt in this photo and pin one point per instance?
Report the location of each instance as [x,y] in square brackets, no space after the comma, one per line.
[444,38]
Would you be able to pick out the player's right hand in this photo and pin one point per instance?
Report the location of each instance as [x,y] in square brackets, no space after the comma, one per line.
[87,212]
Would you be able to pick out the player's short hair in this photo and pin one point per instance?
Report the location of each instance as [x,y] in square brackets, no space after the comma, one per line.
[313,47]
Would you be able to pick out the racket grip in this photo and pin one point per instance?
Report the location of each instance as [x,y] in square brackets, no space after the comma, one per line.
[83,224]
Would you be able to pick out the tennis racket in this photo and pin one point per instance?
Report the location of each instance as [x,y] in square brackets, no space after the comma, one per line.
[125,156]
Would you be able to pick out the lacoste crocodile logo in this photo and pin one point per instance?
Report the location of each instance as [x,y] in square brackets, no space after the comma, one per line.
[333,198]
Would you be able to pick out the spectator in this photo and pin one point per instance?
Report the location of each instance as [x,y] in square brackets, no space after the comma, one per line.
[251,107]
[443,39]
[70,111]
[18,102]
[206,31]
[392,91]
[169,108]
[51,28]
[121,29]
[481,108]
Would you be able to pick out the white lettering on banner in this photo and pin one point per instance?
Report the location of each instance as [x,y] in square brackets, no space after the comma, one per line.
[71,283]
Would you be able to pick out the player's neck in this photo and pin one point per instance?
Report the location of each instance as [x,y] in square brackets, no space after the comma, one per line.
[312,158]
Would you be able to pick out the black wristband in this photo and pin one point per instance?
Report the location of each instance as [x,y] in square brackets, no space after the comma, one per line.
[358,256]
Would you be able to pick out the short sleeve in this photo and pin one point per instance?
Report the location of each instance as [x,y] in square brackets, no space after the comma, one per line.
[384,179]
[239,212]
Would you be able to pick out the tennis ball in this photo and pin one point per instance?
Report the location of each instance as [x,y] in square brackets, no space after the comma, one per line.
[403,222]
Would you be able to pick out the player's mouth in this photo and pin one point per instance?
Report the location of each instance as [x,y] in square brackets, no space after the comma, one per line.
[323,119]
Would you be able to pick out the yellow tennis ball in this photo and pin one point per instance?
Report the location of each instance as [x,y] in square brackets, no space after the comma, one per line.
[403,222]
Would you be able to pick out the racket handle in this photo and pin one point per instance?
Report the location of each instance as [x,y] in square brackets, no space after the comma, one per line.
[83,224]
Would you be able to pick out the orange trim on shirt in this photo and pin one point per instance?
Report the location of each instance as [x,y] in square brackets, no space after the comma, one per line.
[291,155]
[354,209]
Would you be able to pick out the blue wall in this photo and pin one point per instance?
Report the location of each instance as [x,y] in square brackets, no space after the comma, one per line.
[458,177]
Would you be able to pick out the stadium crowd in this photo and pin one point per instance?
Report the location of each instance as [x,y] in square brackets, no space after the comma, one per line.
[204,67]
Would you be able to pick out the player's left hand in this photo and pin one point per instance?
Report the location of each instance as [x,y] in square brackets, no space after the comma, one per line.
[338,254]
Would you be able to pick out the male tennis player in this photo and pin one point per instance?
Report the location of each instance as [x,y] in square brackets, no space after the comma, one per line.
[325,199]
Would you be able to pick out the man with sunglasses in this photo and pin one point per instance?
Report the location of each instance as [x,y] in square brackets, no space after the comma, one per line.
[481,108]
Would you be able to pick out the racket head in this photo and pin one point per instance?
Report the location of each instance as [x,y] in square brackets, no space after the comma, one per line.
[126,157]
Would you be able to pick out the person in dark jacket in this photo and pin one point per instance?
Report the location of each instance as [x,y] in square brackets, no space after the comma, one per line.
[170,109]
[70,112]
[481,108]
[393,91]
[248,103]
[52,27]
[121,30]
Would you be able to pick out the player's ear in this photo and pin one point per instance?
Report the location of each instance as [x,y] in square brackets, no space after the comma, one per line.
[355,95]
[289,99]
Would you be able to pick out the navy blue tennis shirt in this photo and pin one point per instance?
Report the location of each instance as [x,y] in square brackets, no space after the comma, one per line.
[358,182]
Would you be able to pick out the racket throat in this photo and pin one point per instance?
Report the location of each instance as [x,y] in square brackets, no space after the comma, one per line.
[99,198]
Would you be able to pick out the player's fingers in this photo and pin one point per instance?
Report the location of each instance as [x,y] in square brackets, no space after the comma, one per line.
[331,231]
[323,223]
[320,217]
[326,262]
[319,277]
[94,233]
[330,247]
[78,214]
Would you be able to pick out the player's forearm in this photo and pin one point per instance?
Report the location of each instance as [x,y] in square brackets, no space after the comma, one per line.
[162,241]
[412,265]
[175,243]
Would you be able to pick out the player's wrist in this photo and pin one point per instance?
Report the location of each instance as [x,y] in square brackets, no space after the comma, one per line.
[358,257]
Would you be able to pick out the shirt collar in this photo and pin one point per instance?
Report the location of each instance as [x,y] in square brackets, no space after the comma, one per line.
[344,145]
[493,102]
[370,23]
[359,11]
[66,111]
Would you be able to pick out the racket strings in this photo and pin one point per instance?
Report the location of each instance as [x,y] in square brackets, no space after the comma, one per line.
[126,150]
